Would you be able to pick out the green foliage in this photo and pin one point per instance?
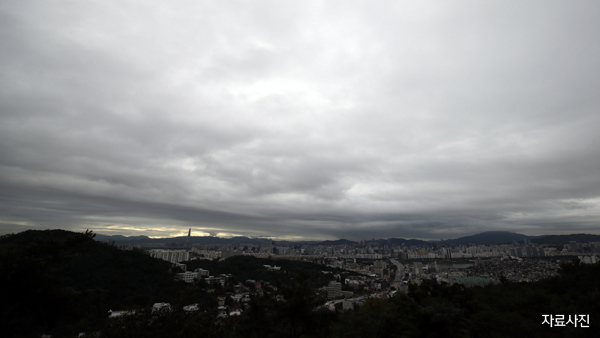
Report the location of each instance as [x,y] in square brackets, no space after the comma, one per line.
[248,267]
[165,323]
[378,318]
[293,317]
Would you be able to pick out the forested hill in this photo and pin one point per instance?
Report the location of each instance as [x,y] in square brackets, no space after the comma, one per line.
[407,242]
[61,281]
[489,238]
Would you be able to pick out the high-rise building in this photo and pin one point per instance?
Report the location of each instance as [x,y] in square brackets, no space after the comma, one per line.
[418,267]
[334,290]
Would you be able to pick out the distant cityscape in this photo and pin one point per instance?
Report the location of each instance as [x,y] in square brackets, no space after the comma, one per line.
[228,282]
[377,267]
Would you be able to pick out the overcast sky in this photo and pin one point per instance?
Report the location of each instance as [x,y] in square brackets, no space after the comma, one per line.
[300,120]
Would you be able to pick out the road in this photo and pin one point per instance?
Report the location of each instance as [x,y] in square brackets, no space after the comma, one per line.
[399,272]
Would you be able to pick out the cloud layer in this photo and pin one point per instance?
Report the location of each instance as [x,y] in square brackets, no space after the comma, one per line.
[310,120]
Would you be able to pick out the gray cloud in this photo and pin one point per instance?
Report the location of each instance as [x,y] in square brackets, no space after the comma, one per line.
[309,121]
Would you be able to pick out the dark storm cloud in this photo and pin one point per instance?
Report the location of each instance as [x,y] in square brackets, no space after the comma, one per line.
[427,120]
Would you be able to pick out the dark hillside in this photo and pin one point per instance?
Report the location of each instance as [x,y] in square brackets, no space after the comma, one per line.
[55,277]
[248,267]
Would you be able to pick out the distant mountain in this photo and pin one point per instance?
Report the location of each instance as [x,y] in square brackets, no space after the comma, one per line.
[485,238]
[180,240]
[119,238]
[407,242]
[338,242]
[489,238]
[565,239]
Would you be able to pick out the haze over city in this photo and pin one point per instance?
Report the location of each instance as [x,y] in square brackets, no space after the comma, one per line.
[311,120]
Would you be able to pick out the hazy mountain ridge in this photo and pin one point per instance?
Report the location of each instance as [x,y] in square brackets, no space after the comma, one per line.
[407,242]
[181,240]
[489,238]
[338,242]
[484,238]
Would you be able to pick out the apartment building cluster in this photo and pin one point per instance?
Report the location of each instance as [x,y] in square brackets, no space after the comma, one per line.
[514,270]
[173,256]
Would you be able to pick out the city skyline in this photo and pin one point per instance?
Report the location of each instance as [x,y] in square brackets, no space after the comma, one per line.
[302,121]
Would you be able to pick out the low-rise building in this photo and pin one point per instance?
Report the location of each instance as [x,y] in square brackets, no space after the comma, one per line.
[187,276]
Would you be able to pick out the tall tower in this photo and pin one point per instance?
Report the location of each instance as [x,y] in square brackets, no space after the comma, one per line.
[188,239]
